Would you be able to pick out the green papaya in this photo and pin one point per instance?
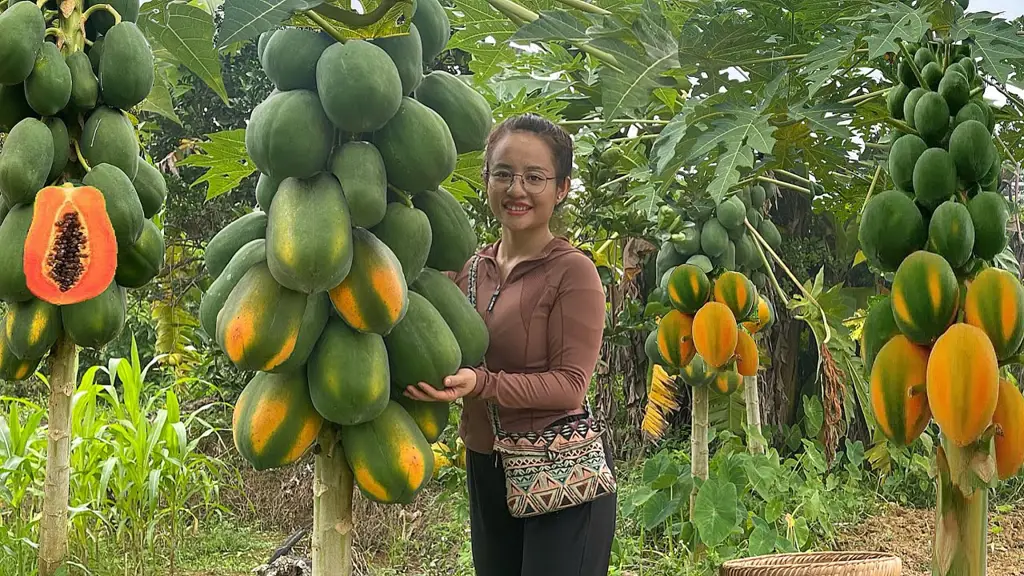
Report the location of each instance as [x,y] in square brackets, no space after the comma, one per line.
[359,86]
[97,321]
[22,30]
[360,170]
[95,52]
[140,262]
[151,187]
[453,240]
[289,135]
[465,111]
[434,27]
[102,21]
[266,188]
[126,66]
[460,316]
[123,205]
[931,118]
[109,138]
[13,231]
[417,147]
[406,51]
[895,98]
[25,161]
[249,255]
[48,87]
[85,87]
[290,57]
[13,106]
[406,231]
[61,146]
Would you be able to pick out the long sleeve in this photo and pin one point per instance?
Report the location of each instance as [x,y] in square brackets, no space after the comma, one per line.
[574,331]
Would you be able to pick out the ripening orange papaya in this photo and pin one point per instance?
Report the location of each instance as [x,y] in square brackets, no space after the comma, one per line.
[898,391]
[675,338]
[962,382]
[737,292]
[995,303]
[1009,440]
[765,317]
[727,381]
[747,359]
[715,333]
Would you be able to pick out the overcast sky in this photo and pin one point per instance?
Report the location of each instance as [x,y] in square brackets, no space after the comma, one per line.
[1010,8]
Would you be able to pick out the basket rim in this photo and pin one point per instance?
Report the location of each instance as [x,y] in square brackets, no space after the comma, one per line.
[868,556]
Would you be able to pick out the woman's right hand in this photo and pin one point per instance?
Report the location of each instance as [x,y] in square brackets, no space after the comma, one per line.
[456,386]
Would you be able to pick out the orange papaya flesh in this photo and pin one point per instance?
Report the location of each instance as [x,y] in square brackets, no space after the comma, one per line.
[70,250]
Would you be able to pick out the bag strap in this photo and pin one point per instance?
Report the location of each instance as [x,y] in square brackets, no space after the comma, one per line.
[492,408]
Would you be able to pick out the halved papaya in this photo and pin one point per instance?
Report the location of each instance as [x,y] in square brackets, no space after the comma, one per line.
[71,250]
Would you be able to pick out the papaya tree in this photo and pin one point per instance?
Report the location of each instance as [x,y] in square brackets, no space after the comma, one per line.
[80,207]
[939,344]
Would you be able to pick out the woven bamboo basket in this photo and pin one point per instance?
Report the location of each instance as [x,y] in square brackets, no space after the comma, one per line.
[816,564]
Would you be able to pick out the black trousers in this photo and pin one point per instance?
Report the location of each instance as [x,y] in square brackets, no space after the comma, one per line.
[576,541]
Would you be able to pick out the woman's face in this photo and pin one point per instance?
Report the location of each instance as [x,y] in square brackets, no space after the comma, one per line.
[526,159]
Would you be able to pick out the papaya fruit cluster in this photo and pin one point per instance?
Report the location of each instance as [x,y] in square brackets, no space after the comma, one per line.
[933,350]
[943,164]
[707,337]
[337,291]
[76,197]
[934,345]
[714,238]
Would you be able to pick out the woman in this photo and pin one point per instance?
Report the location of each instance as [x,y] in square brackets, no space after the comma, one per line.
[544,307]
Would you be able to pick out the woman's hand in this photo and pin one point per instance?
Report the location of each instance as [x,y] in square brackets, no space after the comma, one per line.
[456,386]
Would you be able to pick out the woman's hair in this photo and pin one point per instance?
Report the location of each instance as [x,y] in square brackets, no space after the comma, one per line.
[558,140]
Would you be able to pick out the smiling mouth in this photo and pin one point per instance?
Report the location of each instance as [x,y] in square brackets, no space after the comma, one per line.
[517,209]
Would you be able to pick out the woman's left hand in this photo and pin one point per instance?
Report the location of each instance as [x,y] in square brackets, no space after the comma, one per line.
[456,386]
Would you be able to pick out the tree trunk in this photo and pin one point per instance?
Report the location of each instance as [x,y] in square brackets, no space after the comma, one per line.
[698,452]
[332,507]
[53,524]
[961,512]
[752,397]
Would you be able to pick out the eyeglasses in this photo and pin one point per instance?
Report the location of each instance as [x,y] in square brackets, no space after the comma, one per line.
[533,182]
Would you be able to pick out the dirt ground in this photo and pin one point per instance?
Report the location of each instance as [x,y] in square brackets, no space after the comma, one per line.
[908,533]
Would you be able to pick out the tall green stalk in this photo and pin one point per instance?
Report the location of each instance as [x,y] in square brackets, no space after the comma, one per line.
[961,510]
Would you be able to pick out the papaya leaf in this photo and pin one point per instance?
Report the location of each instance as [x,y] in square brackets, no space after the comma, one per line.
[997,42]
[555,24]
[671,142]
[823,61]
[895,22]
[225,156]
[742,130]
[628,85]
[394,22]
[247,19]
[824,119]
[721,42]
[159,100]
[483,32]
[186,32]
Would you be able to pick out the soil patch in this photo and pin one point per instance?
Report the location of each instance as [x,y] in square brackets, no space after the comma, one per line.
[908,532]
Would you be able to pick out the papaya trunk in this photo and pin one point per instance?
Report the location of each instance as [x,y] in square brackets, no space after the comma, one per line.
[698,451]
[53,524]
[752,398]
[961,518]
[332,508]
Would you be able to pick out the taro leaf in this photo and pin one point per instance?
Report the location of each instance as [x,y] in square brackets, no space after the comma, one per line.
[247,19]
[186,32]
[762,538]
[635,501]
[893,23]
[658,509]
[661,471]
[557,24]
[225,156]
[715,511]
[742,130]
[997,42]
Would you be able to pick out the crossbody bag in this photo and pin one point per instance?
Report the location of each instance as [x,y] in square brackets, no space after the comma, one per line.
[559,467]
